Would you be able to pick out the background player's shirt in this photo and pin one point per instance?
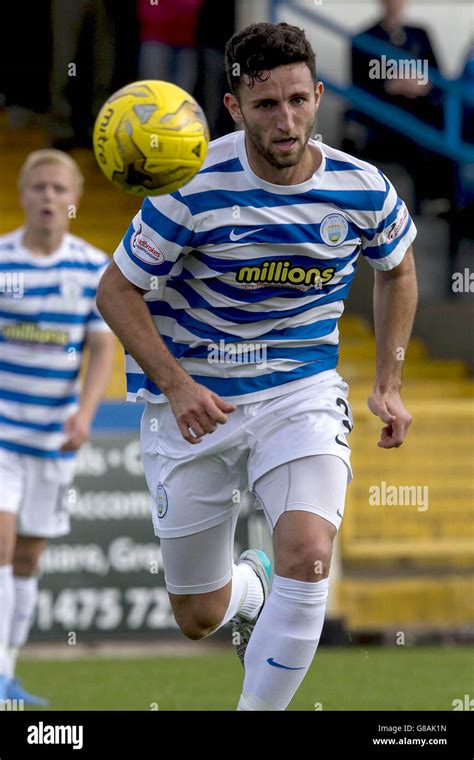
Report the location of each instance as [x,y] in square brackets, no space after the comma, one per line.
[47,307]
[246,280]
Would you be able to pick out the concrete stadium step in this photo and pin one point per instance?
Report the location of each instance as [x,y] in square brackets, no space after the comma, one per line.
[416,448]
[420,511]
[373,504]
[415,548]
[415,452]
[116,390]
[439,602]
[462,485]
[433,369]
[438,453]
[415,538]
[436,519]
[409,471]
[414,392]
[451,406]
[364,350]
[355,326]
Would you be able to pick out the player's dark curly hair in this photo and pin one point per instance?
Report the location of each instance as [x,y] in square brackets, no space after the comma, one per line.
[261,47]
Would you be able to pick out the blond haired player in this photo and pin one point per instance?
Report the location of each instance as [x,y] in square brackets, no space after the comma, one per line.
[49,280]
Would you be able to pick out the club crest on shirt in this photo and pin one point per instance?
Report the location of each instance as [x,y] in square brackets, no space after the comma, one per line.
[334,229]
[161,501]
[145,249]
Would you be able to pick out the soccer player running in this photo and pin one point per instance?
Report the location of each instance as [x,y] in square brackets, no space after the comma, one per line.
[48,316]
[226,296]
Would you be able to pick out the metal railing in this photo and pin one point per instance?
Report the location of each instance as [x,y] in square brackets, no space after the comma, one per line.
[446,141]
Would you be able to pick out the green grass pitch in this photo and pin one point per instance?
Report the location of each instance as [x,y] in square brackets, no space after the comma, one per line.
[397,678]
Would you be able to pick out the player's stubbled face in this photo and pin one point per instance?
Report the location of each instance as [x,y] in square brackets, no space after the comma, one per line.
[47,196]
[280,113]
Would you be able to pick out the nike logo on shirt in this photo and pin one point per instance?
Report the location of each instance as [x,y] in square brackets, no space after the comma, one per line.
[234,237]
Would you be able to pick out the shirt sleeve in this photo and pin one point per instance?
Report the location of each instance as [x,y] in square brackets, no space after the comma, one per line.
[385,243]
[158,236]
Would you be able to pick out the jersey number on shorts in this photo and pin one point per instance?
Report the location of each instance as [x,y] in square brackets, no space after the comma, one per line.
[346,423]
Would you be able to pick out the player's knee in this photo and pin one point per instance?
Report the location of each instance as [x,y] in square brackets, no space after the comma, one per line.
[25,565]
[193,631]
[27,555]
[307,560]
[197,625]
[197,615]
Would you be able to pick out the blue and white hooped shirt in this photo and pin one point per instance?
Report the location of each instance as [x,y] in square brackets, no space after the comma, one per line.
[47,308]
[246,279]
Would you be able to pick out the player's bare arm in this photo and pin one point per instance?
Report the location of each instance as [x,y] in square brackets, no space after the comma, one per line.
[198,410]
[395,299]
[101,356]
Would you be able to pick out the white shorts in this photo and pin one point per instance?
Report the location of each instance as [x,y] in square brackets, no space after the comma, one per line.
[203,562]
[36,491]
[195,487]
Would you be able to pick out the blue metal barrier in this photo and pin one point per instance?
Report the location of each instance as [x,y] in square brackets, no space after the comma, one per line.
[447,142]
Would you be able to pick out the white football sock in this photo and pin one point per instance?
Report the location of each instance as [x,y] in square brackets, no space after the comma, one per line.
[26,596]
[246,597]
[283,643]
[13,654]
[7,602]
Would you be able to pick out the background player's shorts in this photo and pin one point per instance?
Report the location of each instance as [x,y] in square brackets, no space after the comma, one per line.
[36,490]
[195,487]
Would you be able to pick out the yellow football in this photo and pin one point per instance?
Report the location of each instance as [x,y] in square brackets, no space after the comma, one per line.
[150,138]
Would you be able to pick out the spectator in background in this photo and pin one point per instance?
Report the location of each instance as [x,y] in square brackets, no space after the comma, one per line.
[374,141]
[215,26]
[82,73]
[126,33]
[168,40]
